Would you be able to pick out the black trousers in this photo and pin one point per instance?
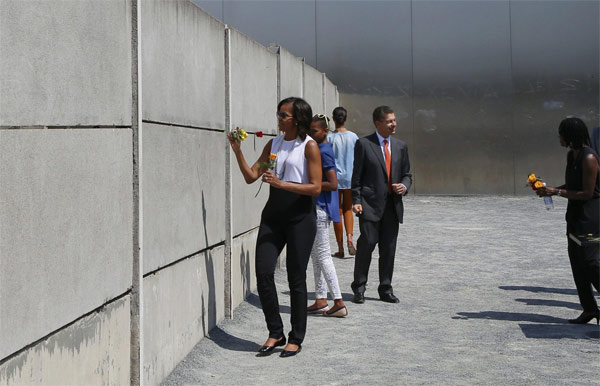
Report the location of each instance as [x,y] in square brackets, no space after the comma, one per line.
[385,234]
[585,264]
[288,219]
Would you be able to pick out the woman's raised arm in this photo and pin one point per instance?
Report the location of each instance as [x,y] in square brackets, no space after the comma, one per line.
[250,174]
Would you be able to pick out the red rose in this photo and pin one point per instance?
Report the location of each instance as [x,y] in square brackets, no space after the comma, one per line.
[259,134]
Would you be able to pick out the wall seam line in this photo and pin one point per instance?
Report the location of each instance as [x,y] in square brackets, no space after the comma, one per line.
[186,257]
[136,305]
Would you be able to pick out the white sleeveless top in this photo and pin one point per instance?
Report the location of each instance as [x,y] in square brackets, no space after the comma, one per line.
[291,161]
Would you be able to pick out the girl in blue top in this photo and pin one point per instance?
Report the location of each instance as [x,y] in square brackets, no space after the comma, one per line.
[327,207]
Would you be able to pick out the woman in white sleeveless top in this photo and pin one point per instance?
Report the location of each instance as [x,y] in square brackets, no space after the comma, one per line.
[288,219]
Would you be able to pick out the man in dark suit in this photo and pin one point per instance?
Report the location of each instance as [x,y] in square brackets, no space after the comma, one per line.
[380,178]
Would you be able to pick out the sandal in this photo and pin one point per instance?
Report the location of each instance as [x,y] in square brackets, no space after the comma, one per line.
[351,249]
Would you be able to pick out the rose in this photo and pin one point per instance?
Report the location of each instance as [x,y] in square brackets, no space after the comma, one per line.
[532,178]
[272,156]
[259,134]
[537,185]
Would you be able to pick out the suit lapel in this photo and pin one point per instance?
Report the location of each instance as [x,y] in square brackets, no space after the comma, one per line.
[377,151]
[396,157]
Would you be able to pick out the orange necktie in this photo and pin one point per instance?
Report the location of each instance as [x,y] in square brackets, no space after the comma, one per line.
[388,164]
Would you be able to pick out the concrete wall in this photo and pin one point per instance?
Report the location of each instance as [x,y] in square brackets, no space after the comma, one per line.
[94,197]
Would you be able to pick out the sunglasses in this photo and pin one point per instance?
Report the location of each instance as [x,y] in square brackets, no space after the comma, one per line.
[322,116]
[282,115]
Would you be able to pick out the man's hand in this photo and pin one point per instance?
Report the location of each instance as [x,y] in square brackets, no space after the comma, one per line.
[398,188]
[357,208]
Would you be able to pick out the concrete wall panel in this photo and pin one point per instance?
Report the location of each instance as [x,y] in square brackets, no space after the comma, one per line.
[183,188]
[242,266]
[92,351]
[66,227]
[181,304]
[290,74]
[246,208]
[331,98]
[253,85]
[183,63]
[313,89]
[58,68]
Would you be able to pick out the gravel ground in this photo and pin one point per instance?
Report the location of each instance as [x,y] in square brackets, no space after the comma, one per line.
[485,292]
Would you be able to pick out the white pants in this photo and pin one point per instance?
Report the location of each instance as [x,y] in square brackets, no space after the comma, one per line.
[323,267]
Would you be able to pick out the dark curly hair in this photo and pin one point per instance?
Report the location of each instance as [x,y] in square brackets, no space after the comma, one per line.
[302,113]
[574,132]
[339,115]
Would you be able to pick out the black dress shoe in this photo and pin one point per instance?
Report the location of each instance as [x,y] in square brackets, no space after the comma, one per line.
[266,350]
[389,298]
[359,298]
[286,354]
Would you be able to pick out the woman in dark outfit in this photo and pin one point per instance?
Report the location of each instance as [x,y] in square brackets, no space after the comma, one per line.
[288,218]
[582,189]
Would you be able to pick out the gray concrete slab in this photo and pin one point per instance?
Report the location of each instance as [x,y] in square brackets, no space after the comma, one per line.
[183,64]
[243,280]
[290,74]
[313,89]
[181,304]
[246,205]
[65,228]
[253,72]
[91,351]
[183,184]
[331,98]
[65,63]
[485,289]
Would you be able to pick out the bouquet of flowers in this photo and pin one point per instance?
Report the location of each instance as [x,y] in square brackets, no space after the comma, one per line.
[537,183]
[270,165]
[239,134]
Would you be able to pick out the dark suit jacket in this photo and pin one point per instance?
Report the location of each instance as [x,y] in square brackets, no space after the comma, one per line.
[369,176]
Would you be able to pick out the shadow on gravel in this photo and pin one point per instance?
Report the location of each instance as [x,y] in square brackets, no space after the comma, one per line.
[541,326]
[550,303]
[510,316]
[230,342]
[346,296]
[254,300]
[553,331]
[562,291]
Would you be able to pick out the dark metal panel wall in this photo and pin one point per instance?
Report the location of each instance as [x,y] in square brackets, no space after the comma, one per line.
[365,49]
[462,97]
[555,74]
[479,87]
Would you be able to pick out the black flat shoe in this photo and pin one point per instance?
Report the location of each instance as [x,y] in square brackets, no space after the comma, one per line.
[286,354]
[266,350]
[389,298]
[585,317]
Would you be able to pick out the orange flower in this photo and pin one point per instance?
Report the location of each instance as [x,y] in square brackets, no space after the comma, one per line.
[273,156]
[538,185]
[532,178]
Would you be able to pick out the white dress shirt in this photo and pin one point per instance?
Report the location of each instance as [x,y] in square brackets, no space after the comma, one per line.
[381,144]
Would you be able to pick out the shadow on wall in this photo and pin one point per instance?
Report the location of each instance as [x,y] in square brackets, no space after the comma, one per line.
[209,311]
[245,272]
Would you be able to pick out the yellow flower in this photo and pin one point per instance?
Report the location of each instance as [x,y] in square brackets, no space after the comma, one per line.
[538,184]
[273,156]
[532,178]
